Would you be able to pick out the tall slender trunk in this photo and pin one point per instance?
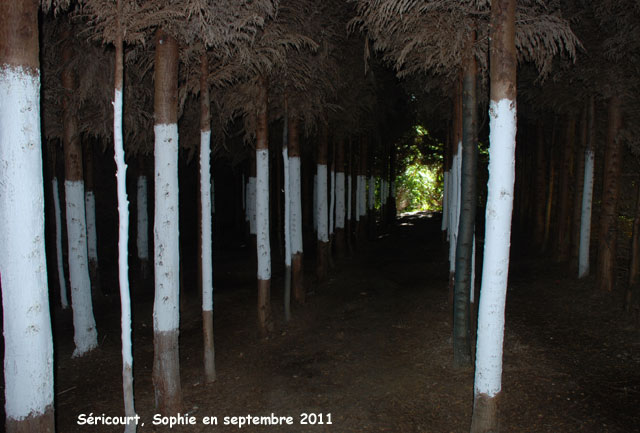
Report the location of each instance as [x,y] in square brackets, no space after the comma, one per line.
[350,200]
[263,244]
[55,190]
[28,343]
[287,214]
[362,191]
[540,187]
[322,210]
[123,233]
[587,193]
[205,221]
[166,312]
[468,202]
[340,199]
[579,186]
[142,230]
[495,270]
[295,185]
[85,334]
[392,185]
[90,209]
[563,234]
[549,199]
[454,186]
[607,240]
[632,293]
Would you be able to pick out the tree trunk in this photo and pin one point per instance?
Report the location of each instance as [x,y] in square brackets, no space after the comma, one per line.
[340,200]
[123,234]
[392,185]
[85,334]
[295,185]
[322,209]
[166,312]
[287,215]
[607,244]
[142,241]
[205,222]
[579,186]
[55,189]
[540,188]
[495,270]
[454,186]
[90,209]
[587,193]
[362,192]
[632,295]
[549,200]
[348,230]
[262,216]
[468,202]
[28,343]
[563,234]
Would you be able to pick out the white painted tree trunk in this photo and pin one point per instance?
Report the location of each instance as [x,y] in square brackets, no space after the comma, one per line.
[28,344]
[166,315]
[454,206]
[92,236]
[358,198]
[84,325]
[123,261]
[287,208]
[315,202]
[295,181]
[585,217]
[332,203]
[362,193]
[64,301]
[262,214]
[445,202]
[472,285]
[205,215]
[142,241]
[349,204]
[323,211]
[495,269]
[251,204]
[340,209]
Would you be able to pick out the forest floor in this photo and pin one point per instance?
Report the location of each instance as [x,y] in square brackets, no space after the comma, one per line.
[371,350]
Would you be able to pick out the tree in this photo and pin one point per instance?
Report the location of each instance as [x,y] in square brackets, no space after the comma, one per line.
[468,203]
[28,344]
[502,125]
[84,325]
[166,361]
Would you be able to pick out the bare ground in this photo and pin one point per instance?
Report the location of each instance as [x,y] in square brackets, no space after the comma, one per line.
[372,348]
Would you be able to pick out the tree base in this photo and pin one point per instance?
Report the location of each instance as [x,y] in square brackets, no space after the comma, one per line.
[265,321]
[297,279]
[43,423]
[322,261]
[485,414]
[166,372]
[209,351]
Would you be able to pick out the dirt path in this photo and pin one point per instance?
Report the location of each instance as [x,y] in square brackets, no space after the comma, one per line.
[371,352]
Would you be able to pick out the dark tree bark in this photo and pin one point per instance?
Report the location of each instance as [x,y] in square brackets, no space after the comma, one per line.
[563,233]
[579,187]
[632,295]
[540,188]
[466,227]
[607,246]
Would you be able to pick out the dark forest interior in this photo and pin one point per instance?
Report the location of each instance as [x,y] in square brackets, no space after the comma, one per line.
[254,167]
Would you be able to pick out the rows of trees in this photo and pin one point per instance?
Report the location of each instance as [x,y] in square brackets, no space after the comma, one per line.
[235,70]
